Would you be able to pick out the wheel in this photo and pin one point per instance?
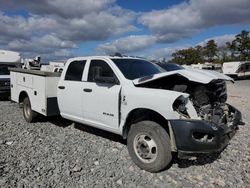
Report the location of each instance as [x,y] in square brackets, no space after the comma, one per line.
[28,114]
[149,146]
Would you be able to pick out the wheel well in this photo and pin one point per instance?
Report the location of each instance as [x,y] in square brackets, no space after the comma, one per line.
[22,96]
[142,114]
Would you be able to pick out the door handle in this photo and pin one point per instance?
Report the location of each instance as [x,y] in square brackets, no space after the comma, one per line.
[61,87]
[87,90]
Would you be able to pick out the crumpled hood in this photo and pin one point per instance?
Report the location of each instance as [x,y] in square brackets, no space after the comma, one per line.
[200,76]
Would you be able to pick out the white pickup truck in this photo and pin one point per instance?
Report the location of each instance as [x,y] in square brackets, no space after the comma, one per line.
[157,112]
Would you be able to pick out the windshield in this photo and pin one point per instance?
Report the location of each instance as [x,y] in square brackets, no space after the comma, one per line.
[170,66]
[136,68]
[4,69]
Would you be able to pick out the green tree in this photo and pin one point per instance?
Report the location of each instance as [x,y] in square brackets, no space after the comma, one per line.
[187,56]
[240,47]
[224,54]
[210,51]
[242,43]
[231,46]
[199,54]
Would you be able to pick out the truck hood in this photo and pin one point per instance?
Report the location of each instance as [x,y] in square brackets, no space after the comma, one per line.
[200,76]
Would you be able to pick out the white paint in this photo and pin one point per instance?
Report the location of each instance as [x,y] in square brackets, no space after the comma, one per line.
[9,57]
[44,87]
[237,68]
[200,76]
[101,108]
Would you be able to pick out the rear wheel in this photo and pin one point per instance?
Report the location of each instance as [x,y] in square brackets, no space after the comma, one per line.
[28,114]
[149,146]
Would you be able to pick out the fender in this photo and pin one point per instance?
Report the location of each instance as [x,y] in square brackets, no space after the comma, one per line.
[160,101]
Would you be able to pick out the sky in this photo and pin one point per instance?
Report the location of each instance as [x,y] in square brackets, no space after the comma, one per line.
[59,29]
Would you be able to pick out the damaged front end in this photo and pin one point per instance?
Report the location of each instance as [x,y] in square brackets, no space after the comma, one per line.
[217,125]
[217,121]
[204,136]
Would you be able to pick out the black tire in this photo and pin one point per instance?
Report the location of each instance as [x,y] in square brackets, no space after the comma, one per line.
[28,114]
[154,158]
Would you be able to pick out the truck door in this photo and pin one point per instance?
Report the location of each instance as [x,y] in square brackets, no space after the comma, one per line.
[101,96]
[69,91]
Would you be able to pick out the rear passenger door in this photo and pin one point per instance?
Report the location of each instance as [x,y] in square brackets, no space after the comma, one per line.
[69,91]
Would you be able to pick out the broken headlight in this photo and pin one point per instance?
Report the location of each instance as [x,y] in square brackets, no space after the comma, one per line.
[179,106]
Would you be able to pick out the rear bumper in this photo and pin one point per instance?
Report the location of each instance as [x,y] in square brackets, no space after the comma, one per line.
[199,136]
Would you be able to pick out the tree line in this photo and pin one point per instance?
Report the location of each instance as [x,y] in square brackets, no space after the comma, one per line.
[236,50]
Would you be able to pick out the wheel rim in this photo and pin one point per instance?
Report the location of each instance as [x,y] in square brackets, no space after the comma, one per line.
[27,110]
[145,148]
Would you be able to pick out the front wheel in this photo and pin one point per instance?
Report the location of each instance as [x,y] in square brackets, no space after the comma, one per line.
[149,146]
[28,114]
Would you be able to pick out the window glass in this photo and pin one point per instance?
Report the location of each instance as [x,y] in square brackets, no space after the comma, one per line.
[136,68]
[101,66]
[170,66]
[75,71]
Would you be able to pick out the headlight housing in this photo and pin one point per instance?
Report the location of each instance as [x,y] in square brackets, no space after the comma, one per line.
[179,106]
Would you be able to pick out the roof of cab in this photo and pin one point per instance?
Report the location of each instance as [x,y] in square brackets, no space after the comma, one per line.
[103,57]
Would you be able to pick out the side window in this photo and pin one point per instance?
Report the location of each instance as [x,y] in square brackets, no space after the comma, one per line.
[75,71]
[247,67]
[103,68]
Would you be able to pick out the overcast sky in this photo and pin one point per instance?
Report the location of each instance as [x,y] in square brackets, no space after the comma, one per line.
[58,29]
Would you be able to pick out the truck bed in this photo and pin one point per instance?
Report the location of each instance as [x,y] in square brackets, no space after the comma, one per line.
[39,86]
[36,72]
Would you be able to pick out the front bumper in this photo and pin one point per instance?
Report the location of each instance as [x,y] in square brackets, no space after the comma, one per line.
[199,136]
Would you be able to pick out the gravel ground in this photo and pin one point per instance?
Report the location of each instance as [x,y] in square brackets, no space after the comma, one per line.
[58,153]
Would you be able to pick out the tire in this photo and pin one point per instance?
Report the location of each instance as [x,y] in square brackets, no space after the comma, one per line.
[28,114]
[149,146]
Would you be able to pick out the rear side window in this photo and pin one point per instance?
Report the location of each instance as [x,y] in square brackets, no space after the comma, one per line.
[75,70]
[105,70]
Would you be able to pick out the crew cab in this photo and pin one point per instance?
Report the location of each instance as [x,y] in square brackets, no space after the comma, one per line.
[158,113]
